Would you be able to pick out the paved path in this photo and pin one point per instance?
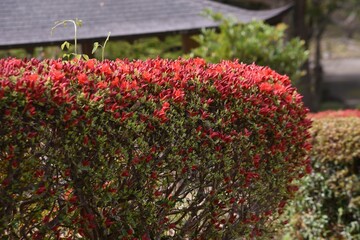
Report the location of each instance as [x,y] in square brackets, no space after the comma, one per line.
[342,80]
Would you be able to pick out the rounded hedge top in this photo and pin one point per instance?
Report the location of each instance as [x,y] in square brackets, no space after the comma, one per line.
[337,136]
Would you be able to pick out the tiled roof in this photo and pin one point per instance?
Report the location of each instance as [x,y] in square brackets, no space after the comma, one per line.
[28,22]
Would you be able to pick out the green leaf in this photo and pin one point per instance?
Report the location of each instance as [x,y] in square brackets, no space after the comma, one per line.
[78,56]
[78,22]
[65,45]
[66,56]
[96,45]
[86,57]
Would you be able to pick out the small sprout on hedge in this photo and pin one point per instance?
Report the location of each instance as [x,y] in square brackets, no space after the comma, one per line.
[76,23]
[97,45]
[65,45]
[85,56]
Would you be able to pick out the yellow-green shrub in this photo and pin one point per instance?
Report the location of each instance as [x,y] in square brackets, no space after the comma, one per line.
[328,206]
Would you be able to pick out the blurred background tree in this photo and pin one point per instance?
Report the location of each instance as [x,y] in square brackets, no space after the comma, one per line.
[311,20]
[254,42]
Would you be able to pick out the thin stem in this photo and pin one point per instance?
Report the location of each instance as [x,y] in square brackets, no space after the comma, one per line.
[75,36]
[103,47]
[75,28]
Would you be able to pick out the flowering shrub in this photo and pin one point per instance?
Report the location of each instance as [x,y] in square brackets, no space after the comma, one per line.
[328,206]
[146,149]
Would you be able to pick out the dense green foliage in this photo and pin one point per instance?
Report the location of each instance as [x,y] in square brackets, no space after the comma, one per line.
[152,47]
[255,42]
[328,205]
[150,149]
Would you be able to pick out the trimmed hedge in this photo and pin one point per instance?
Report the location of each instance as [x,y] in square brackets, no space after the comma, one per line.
[150,149]
[329,203]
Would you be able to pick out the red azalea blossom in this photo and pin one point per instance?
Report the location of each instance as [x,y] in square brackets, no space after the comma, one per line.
[125,173]
[199,61]
[86,140]
[73,199]
[115,82]
[39,173]
[37,235]
[32,111]
[108,222]
[40,190]
[5,182]
[33,77]
[32,134]
[178,95]
[161,114]
[282,204]
[256,160]
[125,86]
[279,89]
[145,237]
[105,68]
[166,106]
[82,78]
[90,64]
[85,163]
[146,76]
[157,193]
[57,75]
[102,85]
[265,87]
[58,65]
[46,219]
[15,163]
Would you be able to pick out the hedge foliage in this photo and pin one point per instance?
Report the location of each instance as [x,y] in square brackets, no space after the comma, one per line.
[329,203]
[254,42]
[151,149]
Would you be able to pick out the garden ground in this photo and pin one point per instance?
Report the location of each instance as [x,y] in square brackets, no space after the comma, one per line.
[341,65]
[342,81]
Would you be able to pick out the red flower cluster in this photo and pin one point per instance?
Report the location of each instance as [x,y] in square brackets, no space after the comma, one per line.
[140,149]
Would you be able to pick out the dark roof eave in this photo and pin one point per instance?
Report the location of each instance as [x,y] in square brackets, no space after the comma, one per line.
[100,39]
[274,19]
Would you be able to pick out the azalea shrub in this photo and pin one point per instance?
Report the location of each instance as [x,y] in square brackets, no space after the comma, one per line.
[328,205]
[151,149]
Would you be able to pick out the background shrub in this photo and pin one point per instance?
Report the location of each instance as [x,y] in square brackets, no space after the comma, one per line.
[144,48]
[150,149]
[328,206]
[254,42]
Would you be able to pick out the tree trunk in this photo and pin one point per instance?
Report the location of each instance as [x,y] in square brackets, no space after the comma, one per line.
[318,69]
[301,30]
